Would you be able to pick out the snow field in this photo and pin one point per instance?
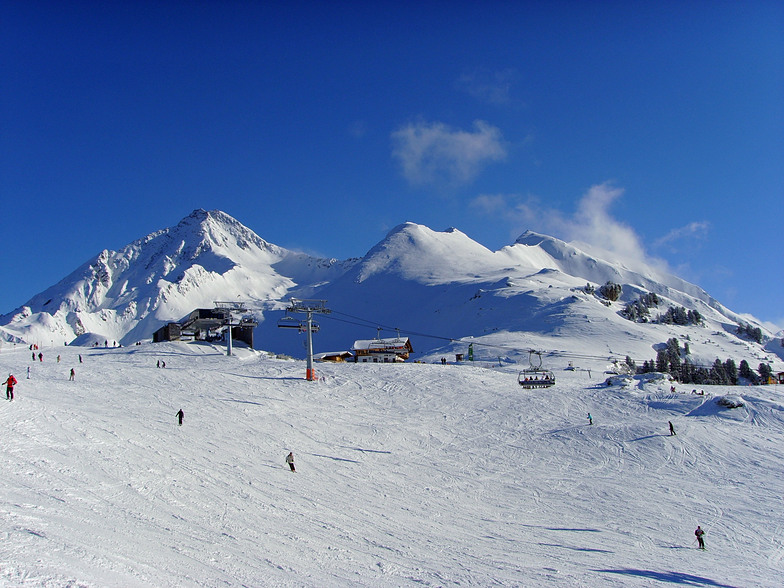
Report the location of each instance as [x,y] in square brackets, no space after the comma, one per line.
[407,475]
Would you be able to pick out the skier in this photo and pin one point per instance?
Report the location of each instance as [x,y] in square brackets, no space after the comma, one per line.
[590,419]
[80,358]
[41,357]
[159,363]
[73,375]
[699,533]
[672,429]
[180,415]
[290,460]
[9,387]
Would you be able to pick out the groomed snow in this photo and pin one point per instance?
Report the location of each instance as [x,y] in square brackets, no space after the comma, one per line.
[407,475]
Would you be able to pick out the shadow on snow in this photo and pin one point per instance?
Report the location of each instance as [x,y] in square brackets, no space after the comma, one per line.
[672,577]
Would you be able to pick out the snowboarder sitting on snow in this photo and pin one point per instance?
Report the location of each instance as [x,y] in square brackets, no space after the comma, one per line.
[9,387]
[290,461]
[699,533]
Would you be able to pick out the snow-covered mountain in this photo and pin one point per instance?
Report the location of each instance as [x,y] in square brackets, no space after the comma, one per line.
[407,475]
[435,286]
[126,295]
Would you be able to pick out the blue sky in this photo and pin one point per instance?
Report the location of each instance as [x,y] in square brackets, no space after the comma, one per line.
[651,129]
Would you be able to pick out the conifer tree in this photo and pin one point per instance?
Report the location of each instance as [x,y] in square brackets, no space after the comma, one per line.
[731,371]
[765,371]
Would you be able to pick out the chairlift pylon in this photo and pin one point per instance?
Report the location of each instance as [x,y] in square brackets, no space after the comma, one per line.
[535,376]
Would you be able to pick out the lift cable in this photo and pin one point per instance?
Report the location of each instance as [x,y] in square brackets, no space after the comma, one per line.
[553,353]
[375,325]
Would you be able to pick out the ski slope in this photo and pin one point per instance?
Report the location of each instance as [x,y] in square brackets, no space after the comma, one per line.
[407,475]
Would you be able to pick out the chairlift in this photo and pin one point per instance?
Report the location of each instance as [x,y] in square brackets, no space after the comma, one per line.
[289,322]
[535,376]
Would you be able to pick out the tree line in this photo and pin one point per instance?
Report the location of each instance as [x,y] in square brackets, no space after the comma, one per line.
[675,361]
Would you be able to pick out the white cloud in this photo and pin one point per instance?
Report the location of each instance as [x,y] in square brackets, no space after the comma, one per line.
[591,225]
[436,154]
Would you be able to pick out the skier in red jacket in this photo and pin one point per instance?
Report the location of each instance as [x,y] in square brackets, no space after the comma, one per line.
[9,387]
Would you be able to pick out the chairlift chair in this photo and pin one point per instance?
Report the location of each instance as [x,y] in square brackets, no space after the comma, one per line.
[289,322]
[535,376]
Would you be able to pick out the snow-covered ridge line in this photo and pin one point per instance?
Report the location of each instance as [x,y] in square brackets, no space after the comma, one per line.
[437,282]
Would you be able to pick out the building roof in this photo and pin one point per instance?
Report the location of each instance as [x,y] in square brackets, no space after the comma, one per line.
[391,345]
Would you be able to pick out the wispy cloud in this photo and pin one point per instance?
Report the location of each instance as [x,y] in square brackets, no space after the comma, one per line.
[591,225]
[436,154]
[491,87]
[358,129]
[492,204]
[690,232]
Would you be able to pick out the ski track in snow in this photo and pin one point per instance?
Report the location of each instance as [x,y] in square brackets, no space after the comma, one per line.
[407,475]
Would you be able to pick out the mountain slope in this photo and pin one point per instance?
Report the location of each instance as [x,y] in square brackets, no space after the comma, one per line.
[126,295]
[436,286]
[407,475]
[442,286]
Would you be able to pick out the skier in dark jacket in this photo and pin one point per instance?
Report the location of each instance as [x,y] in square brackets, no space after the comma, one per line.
[672,429]
[9,387]
[180,415]
[699,533]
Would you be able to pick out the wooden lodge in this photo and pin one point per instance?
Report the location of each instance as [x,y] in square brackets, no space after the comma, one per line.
[391,350]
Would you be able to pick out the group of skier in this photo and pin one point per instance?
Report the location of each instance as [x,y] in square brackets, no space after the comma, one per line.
[11,381]
[672,428]
[289,458]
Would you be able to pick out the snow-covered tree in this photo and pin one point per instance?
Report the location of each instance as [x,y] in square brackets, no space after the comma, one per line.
[611,291]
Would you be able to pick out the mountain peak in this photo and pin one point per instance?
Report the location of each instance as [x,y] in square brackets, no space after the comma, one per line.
[208,230]
[442,280]
[419,252]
